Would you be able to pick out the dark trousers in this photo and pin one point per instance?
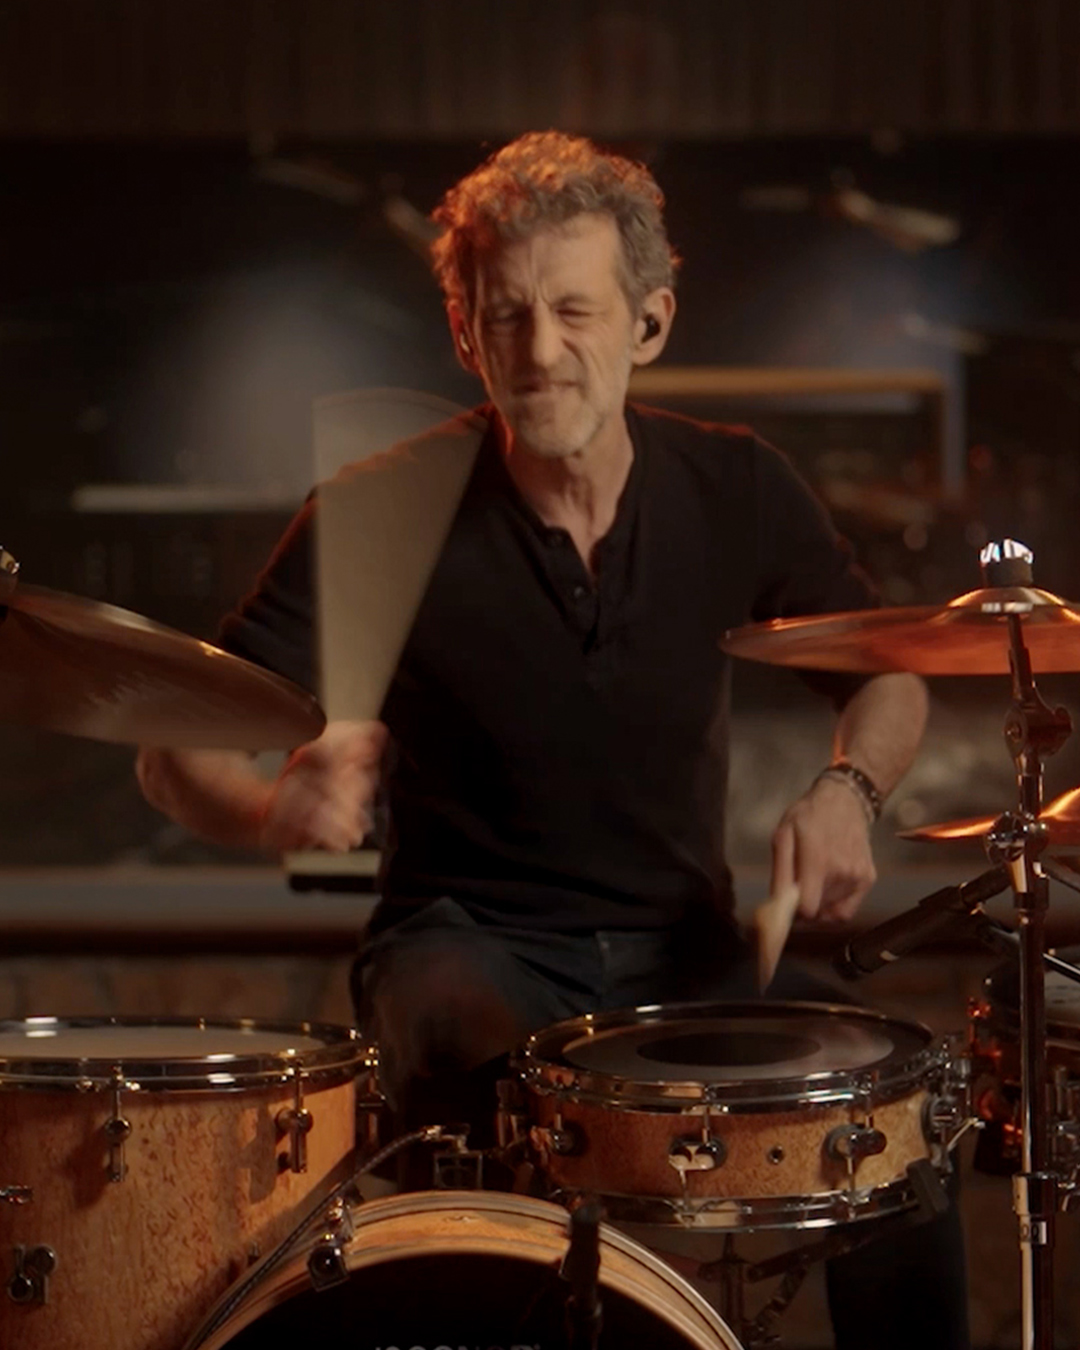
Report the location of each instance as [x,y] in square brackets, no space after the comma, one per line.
[445,997]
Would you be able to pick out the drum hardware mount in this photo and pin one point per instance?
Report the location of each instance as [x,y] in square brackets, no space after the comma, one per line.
[326,1264]
[697,1153]
[1001,938]
[851,1143]
[950,1113]
[296,1122]
[30,1281]
[580,1269]
[16,1195]
[458,1167]
[117,1127]
[561,1138]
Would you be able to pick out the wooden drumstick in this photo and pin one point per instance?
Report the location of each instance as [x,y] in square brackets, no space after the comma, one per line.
[772,924]
[381,525]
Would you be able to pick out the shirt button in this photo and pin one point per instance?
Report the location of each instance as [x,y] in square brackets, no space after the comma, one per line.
[580,592]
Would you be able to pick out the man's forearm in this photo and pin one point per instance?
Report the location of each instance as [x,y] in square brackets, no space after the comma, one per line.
[216,794]
[880,729]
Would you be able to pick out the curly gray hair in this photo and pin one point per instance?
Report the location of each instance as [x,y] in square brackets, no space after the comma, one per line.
[547,178]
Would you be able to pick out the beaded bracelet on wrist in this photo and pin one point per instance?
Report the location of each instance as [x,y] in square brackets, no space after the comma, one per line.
[860,783]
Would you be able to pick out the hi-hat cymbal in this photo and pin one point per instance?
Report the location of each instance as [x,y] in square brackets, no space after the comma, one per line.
[90,669]
[1061,818]
[968,636]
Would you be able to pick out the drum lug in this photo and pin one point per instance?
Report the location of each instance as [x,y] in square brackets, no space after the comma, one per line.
[30,1282]
[562,1138]
[851,1143]
[117,1128]
[950,1113]
[16,1195]
[327,1266]
[697,1153]
[296,1122]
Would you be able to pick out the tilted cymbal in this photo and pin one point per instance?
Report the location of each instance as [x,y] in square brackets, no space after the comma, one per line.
[968,636]
[90,669]
[1061,818]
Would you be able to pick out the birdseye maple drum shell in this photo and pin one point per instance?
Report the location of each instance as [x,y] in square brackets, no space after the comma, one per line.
[454,1268]
[207,1189]
[610,1096]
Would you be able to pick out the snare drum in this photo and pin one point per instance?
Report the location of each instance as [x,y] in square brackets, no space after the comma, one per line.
[736,1115]
[156,1160]
[450,1268]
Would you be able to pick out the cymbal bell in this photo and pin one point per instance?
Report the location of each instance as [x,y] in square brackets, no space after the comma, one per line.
[967,636]
[89,669]
[1061,818]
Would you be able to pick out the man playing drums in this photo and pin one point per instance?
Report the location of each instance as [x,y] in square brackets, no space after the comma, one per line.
[554,743]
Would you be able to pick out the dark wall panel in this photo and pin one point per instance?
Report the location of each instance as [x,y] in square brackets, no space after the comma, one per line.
[427,68]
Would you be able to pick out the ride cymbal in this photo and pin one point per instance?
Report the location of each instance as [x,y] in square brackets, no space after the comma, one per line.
[89,669]
[968,636]
[1061,818]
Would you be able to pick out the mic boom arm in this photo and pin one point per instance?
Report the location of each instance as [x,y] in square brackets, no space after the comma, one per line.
[896,937]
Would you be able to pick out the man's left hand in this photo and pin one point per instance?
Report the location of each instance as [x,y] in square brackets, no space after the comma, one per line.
[822,845]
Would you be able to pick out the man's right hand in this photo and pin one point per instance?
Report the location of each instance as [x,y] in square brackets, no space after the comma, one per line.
[323,797]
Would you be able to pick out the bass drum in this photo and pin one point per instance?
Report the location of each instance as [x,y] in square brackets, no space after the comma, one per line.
[461,1268]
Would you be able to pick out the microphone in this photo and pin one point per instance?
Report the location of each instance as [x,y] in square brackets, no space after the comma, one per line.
[581,1271]
[896,937]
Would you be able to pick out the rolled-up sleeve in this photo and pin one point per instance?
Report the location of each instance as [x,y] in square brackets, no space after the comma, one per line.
[274,625]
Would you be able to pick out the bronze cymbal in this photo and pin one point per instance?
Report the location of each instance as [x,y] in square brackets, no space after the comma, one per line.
[90,669]
[1061,817]
[968,636]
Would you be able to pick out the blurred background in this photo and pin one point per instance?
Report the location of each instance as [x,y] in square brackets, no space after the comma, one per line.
[213,213]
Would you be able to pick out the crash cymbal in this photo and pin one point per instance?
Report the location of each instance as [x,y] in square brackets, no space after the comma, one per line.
[1061,817]
[968,636]
[90,669]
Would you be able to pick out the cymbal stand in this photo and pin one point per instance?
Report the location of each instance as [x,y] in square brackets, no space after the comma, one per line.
[1000,938]
[1033,731]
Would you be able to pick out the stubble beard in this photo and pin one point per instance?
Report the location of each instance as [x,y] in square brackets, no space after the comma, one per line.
[554,437]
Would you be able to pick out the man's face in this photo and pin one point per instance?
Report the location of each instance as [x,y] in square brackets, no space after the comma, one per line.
[553,335]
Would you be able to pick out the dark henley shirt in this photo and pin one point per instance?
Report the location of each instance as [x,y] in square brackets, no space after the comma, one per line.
[560,744]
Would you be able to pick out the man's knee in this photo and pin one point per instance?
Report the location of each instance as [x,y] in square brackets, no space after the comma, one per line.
[433,1009]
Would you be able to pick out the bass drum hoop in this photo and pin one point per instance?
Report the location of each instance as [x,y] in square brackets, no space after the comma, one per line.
[535,1229]
[340,1056]
[542,1069]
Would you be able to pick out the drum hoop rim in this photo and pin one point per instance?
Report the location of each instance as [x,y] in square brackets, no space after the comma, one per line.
[342,1055]
[882,1082]
[292,1276]
[822,1209]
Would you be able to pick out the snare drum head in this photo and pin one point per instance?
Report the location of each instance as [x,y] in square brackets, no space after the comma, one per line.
[1002,987]
[155,1053]
[709,1051]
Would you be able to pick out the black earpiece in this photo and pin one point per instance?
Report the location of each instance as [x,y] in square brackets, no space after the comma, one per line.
[652,327]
